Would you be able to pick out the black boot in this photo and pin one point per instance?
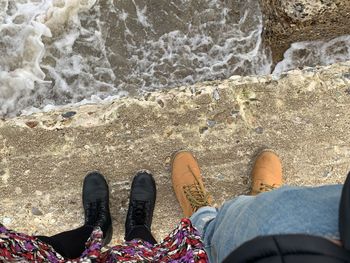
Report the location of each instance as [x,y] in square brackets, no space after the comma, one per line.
[96,204]
[141,207]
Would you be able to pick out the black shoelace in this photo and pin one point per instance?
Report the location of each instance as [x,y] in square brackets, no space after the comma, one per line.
[95,213]
[139,213]
[91,213]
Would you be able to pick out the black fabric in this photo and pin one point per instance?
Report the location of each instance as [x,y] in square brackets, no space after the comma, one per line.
[299,248]
[289,248]
[70,244]
[344,214]
[141,232]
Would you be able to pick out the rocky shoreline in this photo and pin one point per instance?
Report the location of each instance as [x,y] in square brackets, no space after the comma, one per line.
[287,22]
[303,114]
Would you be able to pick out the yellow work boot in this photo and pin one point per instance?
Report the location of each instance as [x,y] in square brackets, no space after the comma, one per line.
[188,184]
[267,173]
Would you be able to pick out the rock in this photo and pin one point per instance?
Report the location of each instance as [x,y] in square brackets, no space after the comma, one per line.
[7,221]
[161,103]
[216,94]
[203,129]
[68,114]
[286,22]
[211,123]
[259,130]
[18,190]
[32,124]
[36,211]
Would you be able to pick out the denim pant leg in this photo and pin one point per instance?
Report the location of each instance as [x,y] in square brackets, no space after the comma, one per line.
[203,216]
[287,210]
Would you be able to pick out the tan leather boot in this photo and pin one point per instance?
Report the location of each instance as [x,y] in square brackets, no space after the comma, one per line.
[267,172]
[188,184]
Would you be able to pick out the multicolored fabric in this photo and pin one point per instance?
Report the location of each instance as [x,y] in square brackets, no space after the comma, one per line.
[182,245]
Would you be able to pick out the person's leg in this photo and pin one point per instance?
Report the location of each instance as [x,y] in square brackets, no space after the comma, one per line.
[141,232]
[141,206]
[195,200]
[266,176]
[69,244]
[287,210]
[203,216]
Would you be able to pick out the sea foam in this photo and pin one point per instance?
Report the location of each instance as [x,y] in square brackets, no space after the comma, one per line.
[32,32]
[313,53]
[64,52]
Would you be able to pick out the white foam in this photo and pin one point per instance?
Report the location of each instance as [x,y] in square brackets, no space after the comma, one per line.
[47,64]
[215,48]
[54,52]
[35,30]
[62,11]
[313,53]
[141,15]
[20,59]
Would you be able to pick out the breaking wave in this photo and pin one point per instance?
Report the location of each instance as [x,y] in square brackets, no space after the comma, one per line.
[61,52]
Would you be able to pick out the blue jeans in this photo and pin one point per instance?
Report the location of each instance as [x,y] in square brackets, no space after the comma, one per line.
[287,210]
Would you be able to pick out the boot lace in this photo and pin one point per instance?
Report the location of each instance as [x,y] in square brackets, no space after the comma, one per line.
[95,212]
[139,212]
[196,194]
[91,213]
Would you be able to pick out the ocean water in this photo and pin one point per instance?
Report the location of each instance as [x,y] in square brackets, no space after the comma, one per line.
[313,53]
[59,52]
